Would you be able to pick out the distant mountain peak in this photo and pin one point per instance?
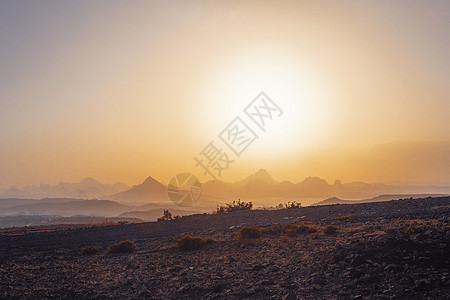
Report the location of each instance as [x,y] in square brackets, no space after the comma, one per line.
[149,190]
[262,175]
[314,179]
[89,181]
[150,180]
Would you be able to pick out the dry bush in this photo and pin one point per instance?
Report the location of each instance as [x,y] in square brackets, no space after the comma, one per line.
[248,233]
[344,218]
[275,229]
[89,250]
[289,226]
[122,247]
[167,216]
[305,228]
[265,231]
[291,205]
[188,242]
[284,239]
[315,235]
[291,232]
[234,206]
[330,229]
[418,228]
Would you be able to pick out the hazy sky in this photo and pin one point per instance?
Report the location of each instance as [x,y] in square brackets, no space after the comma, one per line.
[120,90]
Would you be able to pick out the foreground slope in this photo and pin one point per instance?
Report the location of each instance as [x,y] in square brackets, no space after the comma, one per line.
[370,256]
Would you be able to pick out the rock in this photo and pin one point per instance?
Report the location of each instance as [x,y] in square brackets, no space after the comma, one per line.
[394,233]
[265,282]
[390,267]
[289,296]
[257,268]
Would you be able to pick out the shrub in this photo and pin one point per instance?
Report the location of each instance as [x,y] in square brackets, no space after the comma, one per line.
[289,226]
[167,216]
[188,242]
[344,218]
[284,239]
[89,250]
[415,229]
[275,229]
[122,247]
[291,205]
[330,229]
[247,233]
[265,231]
[291,232]
[234,206]
[305,228]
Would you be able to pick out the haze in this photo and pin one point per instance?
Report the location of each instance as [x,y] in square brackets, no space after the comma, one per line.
[120,90]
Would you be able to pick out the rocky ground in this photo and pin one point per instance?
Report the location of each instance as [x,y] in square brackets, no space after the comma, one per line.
[385,250]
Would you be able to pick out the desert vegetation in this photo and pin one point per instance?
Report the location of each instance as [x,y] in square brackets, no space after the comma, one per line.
[234,206]
[167,216]
[89,250]
[248,233]
[292,205]
[122,247]
[330,229]
[284,254]
[188,242]
[344,218]
[306,228]
[419,228]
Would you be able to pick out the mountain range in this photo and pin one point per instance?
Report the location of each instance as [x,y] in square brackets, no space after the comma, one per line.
[262,185]
[259,185]
[87,188]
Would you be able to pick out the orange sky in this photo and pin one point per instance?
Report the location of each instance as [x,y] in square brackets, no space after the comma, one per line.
[120,91]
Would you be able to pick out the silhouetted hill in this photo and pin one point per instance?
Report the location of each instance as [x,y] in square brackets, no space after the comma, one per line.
[262,185]
[154,214]
[31,220]
[261,176]
[68,207]
[85,189]
[335,200]
[148,191]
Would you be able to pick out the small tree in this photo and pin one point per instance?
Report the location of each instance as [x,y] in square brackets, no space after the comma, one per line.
[167,216]
[234,206]
[291,205]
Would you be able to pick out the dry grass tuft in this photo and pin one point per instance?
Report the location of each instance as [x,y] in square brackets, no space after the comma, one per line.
[419,228]
[290,232]
[122,247]
[89,250]
[284,239]
[305,228]
[344,218]
[275,229]
[248,233]
[188,242]
[289,226]
[234,206]
[330,229]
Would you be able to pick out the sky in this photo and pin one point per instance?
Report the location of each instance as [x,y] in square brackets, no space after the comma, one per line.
[123,90]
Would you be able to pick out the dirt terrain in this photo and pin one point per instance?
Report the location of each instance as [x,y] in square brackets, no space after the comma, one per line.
[384,250]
